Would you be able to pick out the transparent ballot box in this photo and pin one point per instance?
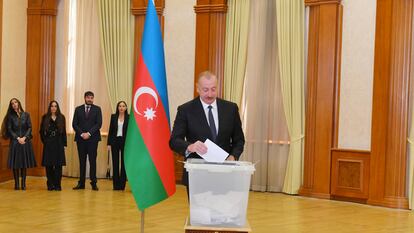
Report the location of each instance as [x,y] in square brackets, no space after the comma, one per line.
[219,192]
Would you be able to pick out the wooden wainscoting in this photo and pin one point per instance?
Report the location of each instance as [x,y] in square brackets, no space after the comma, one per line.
[179,159]
[40,66]
[210,39]
[350,174]
[390,105]
[325,20]
[5,173]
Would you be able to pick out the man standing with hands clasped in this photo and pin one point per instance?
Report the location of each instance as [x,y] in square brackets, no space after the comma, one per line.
[207,117]
[87,121]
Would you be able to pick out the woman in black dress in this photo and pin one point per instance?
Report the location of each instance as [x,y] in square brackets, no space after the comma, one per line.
[18,127]
[53,136]
[116,142]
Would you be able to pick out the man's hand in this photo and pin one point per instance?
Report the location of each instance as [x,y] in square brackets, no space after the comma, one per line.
[231,158]
[85,136]
[197,147]
[109,147]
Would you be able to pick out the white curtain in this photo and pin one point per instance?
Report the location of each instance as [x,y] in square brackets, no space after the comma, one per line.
[62,46]
[79,69]
[89,67]
[79,63]
[267,138]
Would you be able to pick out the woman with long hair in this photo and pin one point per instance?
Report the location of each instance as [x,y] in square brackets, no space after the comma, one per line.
[116,143]
[18,128]
[53,136]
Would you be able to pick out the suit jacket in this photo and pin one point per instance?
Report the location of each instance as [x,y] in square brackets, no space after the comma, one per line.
[191,125]
[92,123]
[113,128]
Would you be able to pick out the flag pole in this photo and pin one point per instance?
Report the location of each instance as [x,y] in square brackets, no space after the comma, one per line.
[142,220]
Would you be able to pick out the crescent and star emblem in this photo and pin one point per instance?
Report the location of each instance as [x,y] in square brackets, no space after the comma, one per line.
[149,113]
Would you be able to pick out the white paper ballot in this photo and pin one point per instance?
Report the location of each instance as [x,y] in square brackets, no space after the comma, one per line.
[214,152]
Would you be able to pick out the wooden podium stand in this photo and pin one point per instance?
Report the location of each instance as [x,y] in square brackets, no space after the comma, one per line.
[203,229]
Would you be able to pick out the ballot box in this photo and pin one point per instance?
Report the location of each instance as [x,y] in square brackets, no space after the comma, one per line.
[219,192]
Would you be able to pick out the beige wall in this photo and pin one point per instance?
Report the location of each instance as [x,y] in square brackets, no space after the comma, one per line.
[357,74]
[179,44]
[13,57]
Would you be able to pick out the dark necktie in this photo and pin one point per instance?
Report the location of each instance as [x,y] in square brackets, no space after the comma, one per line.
[212,123]
[87,111]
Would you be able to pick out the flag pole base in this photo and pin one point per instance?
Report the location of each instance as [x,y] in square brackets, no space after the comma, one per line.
[142,220]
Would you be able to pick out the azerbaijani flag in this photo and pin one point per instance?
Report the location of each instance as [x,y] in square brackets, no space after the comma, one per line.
[149,162]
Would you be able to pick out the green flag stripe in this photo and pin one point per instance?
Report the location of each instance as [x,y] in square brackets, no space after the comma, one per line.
[142,174]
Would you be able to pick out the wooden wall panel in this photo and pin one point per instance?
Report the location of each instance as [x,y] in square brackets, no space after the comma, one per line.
[5,173]
[210,39]
[179,165]
[321,2]
[350,173]
[1,37]
[322,79]
[40,66]
[390,103]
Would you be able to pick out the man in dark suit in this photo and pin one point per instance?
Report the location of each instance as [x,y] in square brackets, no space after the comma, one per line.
[207,117]
[87,121]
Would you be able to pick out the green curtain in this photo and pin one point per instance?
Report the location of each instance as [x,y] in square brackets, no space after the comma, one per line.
[290,23]
[116,34]
[237,27]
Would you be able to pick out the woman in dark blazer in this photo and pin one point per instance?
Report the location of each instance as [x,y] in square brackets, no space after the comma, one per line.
[53,136]
[18,127]
[116,142]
